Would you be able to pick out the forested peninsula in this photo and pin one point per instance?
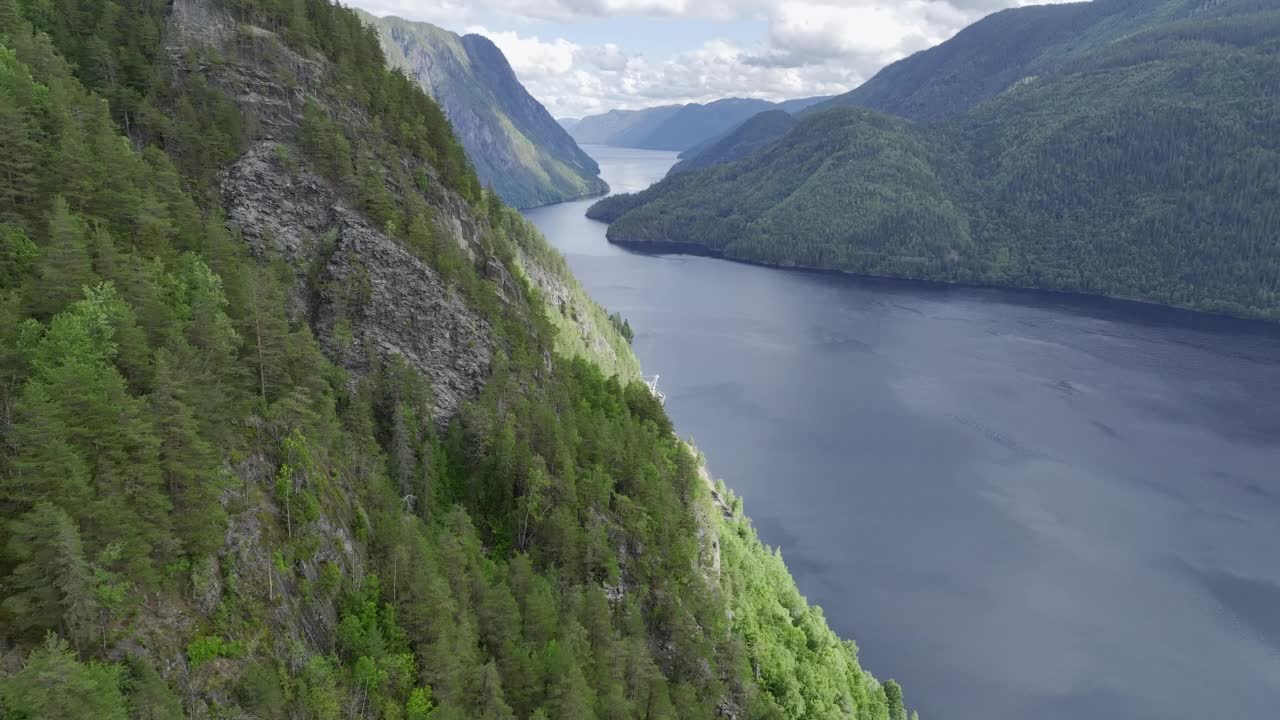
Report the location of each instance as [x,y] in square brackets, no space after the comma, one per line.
[1116,148]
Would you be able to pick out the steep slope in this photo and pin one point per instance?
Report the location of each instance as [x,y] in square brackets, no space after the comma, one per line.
[757,132]
[515,144]
[676,127]
[286,427]
[618,127]
[1140,168]
[800,104]
[1002,49]
[606,129]
[994,54]
[693,124]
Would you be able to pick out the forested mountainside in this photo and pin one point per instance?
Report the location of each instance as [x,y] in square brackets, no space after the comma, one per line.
[1143,166]
[298,421]
[1007,47]
[614,127]
[991,56]
[675,127]
[756,133]
[515,144]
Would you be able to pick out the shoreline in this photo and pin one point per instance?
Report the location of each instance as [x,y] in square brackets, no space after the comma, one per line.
[584,196]
[675,247]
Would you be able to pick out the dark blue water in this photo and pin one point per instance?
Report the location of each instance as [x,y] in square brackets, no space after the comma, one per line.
[1021,506]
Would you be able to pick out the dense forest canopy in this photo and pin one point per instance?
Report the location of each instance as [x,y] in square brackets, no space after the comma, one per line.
[203,515]
[1143,165]
[756,133]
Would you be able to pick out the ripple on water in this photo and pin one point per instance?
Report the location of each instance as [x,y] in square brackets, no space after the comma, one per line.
[1253,603]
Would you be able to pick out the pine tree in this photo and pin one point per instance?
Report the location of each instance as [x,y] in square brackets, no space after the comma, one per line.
[893,694]
[47,465]
[10,16]
[18,255]
[149,696]
[213,378]
[189,465]
[492,705]
[51,586]
[568,694]
[266,330]
[18,176]
[64,268]
[53,684]
[74,383]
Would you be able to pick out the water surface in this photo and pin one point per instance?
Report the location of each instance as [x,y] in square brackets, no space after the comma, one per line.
[1021,506]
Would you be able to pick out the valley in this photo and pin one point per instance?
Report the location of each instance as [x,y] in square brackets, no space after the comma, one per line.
[1020,504]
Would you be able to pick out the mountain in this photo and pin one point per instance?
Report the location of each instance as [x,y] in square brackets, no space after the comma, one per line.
[757,132]
[676,127]
[1141,161]
[568,123]
[694,123]
[516,146]
[993,54]
[297,420]
[607,128]
[1005,48]
[801,104]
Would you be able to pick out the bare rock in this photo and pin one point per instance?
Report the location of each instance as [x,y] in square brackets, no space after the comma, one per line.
[371,295]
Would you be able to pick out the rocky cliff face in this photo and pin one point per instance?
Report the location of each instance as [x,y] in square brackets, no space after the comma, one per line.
[362,292]
[515,144]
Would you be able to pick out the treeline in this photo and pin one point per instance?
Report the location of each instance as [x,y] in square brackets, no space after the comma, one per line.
[201,515]
[117,52]
[1145,168]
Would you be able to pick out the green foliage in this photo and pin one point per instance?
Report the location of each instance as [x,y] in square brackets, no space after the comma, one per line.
[208,647]
[803,668]
[622,326]
[1007,48]
[168,412]
[50,586]
[419,706]
[1140,163]
[17,255]
[260,692]
[893,694]
[53,684]
[750,136]
[149,696]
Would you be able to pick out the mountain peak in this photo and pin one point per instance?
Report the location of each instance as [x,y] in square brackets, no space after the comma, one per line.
[516,146]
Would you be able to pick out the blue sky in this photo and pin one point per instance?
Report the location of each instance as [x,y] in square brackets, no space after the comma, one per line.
[581,57]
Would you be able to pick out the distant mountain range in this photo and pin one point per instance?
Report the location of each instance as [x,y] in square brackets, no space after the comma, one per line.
[675,127]
[1118,147]
[757,132]
[514,143]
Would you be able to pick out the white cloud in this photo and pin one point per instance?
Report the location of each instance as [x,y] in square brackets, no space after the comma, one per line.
[824,30]
[812,47]
[530,56]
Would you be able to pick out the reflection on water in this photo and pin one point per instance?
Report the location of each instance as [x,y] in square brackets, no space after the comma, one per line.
[1020,505]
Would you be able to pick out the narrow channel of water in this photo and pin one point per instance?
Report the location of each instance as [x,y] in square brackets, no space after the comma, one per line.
[1019,505]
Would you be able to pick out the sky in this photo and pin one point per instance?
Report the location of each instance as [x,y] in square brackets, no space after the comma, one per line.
[583,57]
